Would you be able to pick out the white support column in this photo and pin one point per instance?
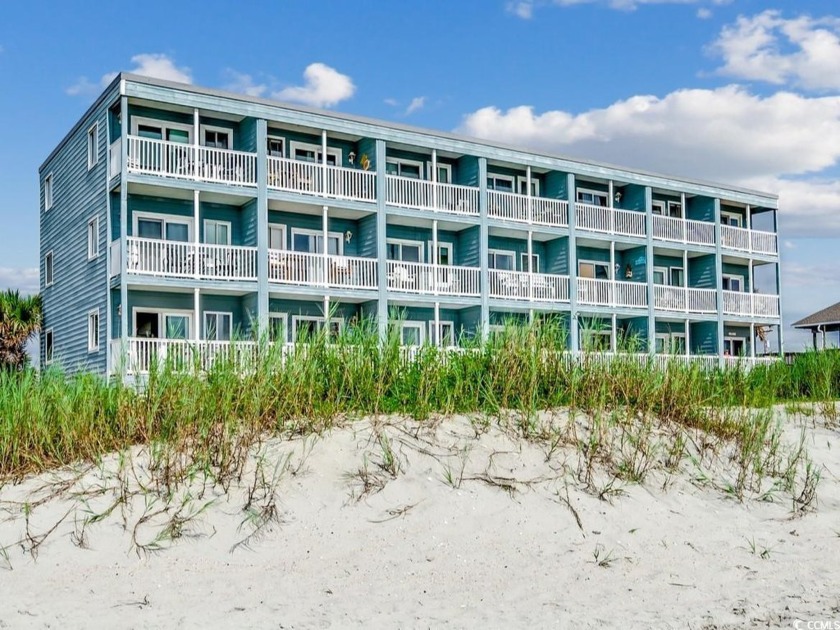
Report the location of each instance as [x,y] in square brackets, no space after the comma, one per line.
[752,340]
[611,206]
[685,278]
[324,165]
[197,315]
[434,180]
[196,143]
[611,195]
[683,211]
[752,288]
[325,230]
[613,336]
[687,337]
[196,232]
[530,201]
[327,314]
[749,227]
[612,273]
[530,265]
[437,324]
[435,258]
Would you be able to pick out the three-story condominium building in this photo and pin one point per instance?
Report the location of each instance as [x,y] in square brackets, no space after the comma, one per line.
[176,218]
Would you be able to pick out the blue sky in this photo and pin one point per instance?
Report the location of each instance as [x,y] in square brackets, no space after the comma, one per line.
[738,91]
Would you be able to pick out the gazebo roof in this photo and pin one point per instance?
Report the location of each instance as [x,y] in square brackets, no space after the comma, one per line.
[829,316]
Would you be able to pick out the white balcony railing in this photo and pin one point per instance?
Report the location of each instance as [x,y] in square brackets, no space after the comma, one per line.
[609,220]
[351,183]
[174,159]
[753,241]
[433,279]
[537,210]
[157,257]
[407,192]
[683,230]
[750,304]
[139,355]
[612,293]
[311,178]
[303,268]
[520,285]
[685,299]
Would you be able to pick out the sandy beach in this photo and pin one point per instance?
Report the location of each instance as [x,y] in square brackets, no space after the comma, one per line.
[452,523]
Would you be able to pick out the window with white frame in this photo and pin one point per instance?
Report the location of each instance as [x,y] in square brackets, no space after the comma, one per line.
[500,183]
[162,324]
[447,333]
[677,277]
[592,197]
[161,130]
[312,241]
[734,346]
[404,168]
[675,209]
[216,137]
[594,269]
[595,340]
[444,256]
[501,259]
[523,185]
[444,172]
[276,146]
[660,275]
[670,343]
[306,326]
[93,238]
[48,269]
[412,333]
[404,250]
[48,192]
[732,282]
[93,330]
[217,326]
[535,262]
[163,227]
[278,327]
[658,207]
[732,219]
[93,146]
[276,236]
[49,340]
[313,153]
[216,232]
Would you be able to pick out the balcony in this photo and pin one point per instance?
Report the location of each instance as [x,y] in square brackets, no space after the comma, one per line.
[301,268]
[140,354]
[612,293]
[525,209]
[407,192]
[685,231]
[685,299]
[609,220]
[147,156]
[429,279]
[749,241]
[520,285]
[172,259]
[750,304]
[310,178]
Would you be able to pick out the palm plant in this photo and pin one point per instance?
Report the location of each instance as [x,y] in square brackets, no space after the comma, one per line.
[20,320]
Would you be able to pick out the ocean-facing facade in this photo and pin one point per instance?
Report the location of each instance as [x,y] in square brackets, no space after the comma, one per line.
[176,218]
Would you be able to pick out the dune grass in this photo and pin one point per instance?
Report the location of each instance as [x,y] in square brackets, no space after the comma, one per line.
[639,417]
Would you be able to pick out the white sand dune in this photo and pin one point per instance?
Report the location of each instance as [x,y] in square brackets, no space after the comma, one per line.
[471,532]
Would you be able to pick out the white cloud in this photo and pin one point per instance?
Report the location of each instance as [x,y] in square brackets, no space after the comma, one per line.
[156,65]
[26,280]
[392,102]
[525,8]
[802,51]
[416,104]
[323,87]
[703,13]
[243,83]
[726,134]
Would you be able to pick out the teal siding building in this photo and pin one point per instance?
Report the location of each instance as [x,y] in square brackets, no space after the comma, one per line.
[175,219]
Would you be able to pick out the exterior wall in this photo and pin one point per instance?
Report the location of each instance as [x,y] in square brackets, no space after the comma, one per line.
[703,338]
[314,222]
[701,272]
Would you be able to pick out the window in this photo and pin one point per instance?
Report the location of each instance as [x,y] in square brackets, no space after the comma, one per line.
[305,326]
[153,324]
[535,262]
[48,345]
[734,346]
[592,197]
[159,226]
[447,333]
[217,326]
[733,283]
[277,327]
[93,330]
[444,172]
[313,153]
[405,251]
[660,274]
[501,259]
[216,137]
[48,269]
[48,192]
[444,256]
[658,207]
[93,146]
[677,277]
[670,343]
[730,218]
[523,185]
[412,333]
[276,146]
[404,168]
[276,236]
[592,269]
[216,232]
[675,209]
[162,130]
[93,238]
[312,241]
[501,183]
[595,340]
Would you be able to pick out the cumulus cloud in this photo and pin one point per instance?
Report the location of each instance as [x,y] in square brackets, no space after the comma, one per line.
[525,8]
[417,103]
[156,65]
[703,13]
[803,51]
[323,87]
[26,280]
[726,134]
[243,83]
